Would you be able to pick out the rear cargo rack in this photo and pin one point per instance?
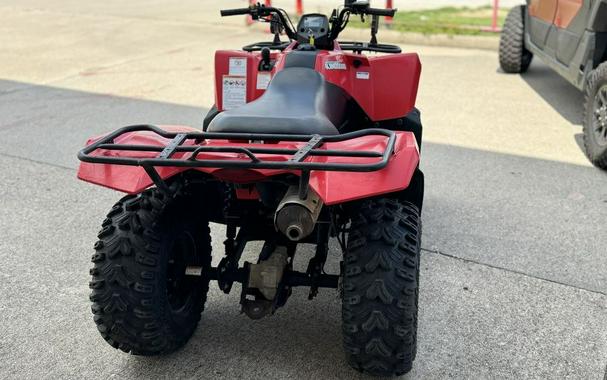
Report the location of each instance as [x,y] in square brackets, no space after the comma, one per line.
[296,161]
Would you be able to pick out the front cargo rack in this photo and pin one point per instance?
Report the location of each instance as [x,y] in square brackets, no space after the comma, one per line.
[296,161]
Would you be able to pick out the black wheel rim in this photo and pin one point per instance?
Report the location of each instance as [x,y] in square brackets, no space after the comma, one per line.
[599,118]
[180,287]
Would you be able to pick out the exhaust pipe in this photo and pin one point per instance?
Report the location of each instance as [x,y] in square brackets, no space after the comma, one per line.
[296,217]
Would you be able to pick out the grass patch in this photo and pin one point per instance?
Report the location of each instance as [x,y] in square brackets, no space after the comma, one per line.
[447,20]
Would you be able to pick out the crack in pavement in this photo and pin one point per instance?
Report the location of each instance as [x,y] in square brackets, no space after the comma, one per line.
[57,166]
[438,252]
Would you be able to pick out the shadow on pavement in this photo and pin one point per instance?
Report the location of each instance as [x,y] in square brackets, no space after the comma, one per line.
[526,214]
[562,96]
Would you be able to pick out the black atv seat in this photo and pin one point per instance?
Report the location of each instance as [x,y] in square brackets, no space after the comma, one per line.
[297,101]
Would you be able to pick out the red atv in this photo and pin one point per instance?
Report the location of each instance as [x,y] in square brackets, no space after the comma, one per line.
[309,139]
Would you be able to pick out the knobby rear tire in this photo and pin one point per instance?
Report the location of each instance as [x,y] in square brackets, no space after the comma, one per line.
[139,305]
[380,286]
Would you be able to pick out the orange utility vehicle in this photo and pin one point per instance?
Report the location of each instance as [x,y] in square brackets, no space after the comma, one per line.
[570,36]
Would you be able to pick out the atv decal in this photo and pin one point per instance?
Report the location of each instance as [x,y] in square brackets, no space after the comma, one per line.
[362,75]
[335,65]
[238,66]
[234,91]
[263,80]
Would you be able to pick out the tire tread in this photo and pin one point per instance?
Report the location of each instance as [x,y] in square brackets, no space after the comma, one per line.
[381,276]
[128,305]
[596,154]
[513,56]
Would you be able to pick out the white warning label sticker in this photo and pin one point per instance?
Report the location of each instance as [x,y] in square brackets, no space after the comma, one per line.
[234,91]
[238,66]
[263,80]
[362,75]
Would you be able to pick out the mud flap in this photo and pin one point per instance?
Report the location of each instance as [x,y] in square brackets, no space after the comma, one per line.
[415,192]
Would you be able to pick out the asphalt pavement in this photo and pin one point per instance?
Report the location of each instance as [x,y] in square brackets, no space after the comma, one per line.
[514,267]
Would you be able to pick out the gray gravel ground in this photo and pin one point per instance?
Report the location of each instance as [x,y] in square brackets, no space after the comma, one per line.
[514,281]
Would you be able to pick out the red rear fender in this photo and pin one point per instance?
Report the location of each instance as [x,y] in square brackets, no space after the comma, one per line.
[332,186]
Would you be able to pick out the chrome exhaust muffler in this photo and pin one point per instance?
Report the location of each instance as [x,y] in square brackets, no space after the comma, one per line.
[296,217]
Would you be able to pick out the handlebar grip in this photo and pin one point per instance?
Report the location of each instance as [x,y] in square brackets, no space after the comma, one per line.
[381,12]
[235,12]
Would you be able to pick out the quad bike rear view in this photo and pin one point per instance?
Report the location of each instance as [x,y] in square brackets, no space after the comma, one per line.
[309,139]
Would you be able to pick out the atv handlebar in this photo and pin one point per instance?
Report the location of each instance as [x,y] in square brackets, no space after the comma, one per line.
[235,12]
[260,11]
[338,20]
[381,12]
[369,11]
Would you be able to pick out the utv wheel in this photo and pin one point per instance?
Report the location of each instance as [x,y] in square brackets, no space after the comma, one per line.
[513,56]
[143,302]
[381,279]
[595,118]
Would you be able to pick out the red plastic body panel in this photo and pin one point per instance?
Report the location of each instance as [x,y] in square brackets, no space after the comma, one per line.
[385,87]
[222,68]
[129,179]
[247,193]
[332,187]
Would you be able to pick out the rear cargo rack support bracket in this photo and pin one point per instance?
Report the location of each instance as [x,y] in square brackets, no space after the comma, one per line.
[172,146]
[158,181]
[304,182]
[305,151]
[300,156]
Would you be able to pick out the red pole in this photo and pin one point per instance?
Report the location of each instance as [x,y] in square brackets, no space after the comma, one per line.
[389,6]
[268,3]
[299,7]
[494,28]
[496,6]
[248,17]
